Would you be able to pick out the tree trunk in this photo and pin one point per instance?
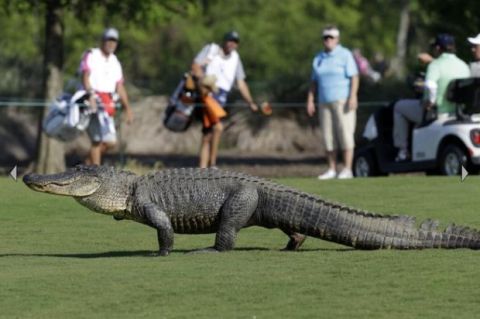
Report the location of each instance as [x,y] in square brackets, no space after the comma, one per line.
[51,153]
[398,63]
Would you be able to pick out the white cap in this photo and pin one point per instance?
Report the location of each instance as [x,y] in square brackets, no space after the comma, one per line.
[333,32]
[475,40]
[110,33]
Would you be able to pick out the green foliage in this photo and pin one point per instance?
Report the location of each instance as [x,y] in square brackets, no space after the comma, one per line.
[59,260]
[160,38]
[459,18]
[21,40]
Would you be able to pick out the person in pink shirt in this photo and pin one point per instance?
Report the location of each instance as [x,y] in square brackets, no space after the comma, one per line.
[102,77]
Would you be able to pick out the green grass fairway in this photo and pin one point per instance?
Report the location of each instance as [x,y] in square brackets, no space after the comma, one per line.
[59,260]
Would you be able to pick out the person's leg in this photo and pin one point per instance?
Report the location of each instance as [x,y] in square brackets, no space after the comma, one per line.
[212,134]
[332,164]
[104,147]
[345,122]
[348,158]
[205,149]
[326,126]
[97,151]
[95,134]
[108,133]
[400,130]
[344,128]
[347,172]
[216,134]
[405,111]
[331,160]
[95,155]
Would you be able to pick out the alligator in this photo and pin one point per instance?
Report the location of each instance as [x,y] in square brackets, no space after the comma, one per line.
[197,201]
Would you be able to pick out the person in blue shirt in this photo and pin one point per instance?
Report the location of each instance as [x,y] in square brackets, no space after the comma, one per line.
[335,80]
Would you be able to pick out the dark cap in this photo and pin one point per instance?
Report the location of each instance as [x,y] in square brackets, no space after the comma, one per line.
[231,36]
[444,40]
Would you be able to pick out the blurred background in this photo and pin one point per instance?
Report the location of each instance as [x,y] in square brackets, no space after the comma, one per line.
[41,43]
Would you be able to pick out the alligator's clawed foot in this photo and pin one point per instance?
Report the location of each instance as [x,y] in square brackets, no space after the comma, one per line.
[161,253]
[203,250]
[296,240]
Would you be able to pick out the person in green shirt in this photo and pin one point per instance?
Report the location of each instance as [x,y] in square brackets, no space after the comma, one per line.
[443,69]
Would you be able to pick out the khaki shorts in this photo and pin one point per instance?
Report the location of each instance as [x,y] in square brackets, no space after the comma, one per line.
[338,125]
[102,128]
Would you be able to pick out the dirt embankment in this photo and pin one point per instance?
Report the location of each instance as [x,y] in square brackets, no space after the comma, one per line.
[287,140]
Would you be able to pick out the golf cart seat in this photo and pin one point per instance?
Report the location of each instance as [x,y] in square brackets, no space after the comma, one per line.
[465,93]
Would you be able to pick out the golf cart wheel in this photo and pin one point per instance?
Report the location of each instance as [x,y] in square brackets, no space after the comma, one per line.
[452,159]
[364,165]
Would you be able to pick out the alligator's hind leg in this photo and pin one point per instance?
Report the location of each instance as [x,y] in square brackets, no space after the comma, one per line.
[234,215]
[296,240]
[160,221]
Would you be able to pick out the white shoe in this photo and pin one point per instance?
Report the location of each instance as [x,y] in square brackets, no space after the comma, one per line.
[345,174]
[330,174]
[402,155]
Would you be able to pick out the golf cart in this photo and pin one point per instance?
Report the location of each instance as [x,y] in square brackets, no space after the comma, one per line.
[441,145]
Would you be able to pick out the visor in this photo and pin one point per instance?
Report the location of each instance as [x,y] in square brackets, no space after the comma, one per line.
[331,32]
[475,40]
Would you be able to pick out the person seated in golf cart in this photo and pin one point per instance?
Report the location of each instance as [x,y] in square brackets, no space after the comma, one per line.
[440,72]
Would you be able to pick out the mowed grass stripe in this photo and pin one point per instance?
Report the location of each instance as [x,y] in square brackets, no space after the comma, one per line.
[59,260]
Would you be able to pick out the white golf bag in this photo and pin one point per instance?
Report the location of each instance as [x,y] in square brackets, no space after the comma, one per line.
[67,116]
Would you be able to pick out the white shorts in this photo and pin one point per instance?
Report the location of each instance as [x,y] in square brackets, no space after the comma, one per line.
[102,128]
[338,125]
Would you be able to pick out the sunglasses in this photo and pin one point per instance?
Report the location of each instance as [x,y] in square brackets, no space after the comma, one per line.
[328,37]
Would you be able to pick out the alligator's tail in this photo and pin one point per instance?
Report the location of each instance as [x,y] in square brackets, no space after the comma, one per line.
[370,231]
[309,215]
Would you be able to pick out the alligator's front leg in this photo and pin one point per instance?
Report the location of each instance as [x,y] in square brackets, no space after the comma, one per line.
[159,220]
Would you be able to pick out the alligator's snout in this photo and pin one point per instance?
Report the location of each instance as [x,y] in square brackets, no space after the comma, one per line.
[69,183]
[61,179]
[29,178]
[33,181]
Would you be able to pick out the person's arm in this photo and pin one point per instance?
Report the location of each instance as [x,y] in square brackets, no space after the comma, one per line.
[311,98]
[353,94]
[245,92]
[202,59]
[351,71]
[86,81]
[424,58]
[197,70]
[430,95]
[88,87]
[122,93]
[431,84]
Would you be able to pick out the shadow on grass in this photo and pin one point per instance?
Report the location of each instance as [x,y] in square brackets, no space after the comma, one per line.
[107,254]
[149,253]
